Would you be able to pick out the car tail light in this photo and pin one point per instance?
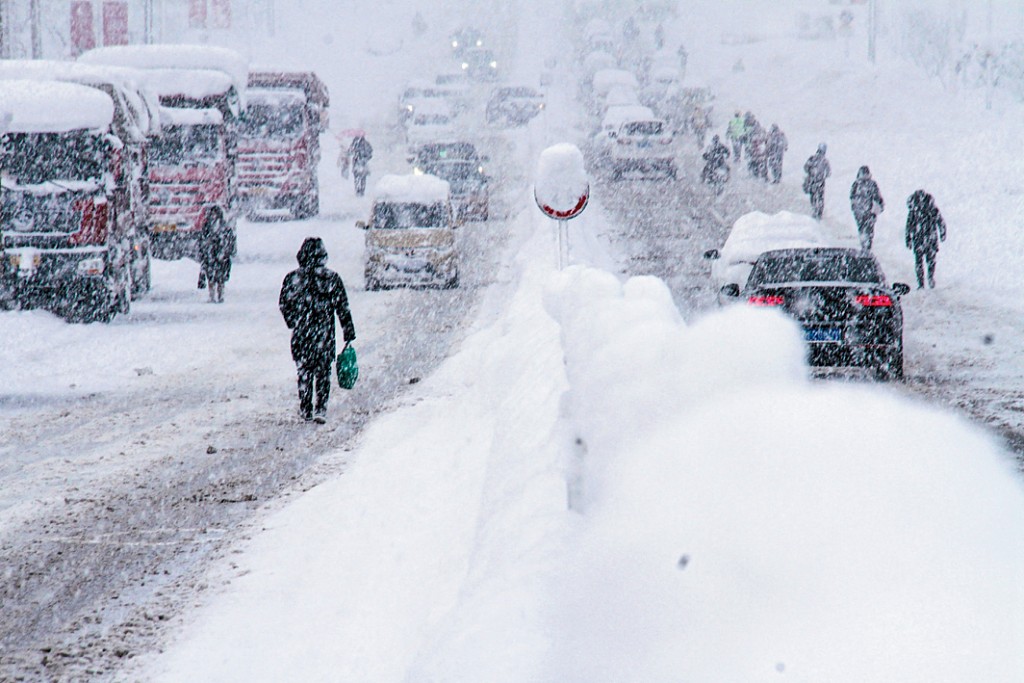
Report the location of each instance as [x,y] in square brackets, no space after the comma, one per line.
[874,300]
[625,141]
[93,225]
[766,300]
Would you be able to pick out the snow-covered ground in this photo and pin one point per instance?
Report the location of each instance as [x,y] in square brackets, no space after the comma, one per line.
[592,488]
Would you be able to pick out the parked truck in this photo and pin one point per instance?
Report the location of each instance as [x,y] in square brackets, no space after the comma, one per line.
[193,162]
[66,224]
[279,142]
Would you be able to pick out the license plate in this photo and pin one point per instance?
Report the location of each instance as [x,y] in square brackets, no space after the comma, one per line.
[823,334]
[165,227]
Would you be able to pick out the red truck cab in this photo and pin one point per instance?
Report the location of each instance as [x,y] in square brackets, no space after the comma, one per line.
[279,143]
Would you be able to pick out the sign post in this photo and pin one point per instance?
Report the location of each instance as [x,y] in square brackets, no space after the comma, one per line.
[562,190]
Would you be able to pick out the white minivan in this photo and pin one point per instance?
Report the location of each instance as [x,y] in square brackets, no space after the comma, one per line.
[410,237]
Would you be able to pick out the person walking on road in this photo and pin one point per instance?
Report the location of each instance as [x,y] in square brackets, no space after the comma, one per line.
[312,296]
[216,248]
[777,146]
[361,151]
[816,170]
[736,134]
[866,203]
[925,229]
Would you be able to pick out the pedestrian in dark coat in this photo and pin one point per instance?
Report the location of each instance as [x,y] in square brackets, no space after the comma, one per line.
[866,202]
[777,146]
[361,152]
[816,170]
[216,247]
[757,152]
[925,229]
[311,297]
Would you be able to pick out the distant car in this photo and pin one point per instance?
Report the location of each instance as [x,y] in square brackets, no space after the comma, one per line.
[464,39]
[514,105]
[416,93]
[480,64]
[455,88]
[431,121]
[461,166]
[645,146]
[614,117]
[849,315]
[434,152]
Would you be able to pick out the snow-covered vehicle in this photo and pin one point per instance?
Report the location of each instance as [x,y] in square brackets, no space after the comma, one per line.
[455,89]
[469,185]
[643,145]
[514,105]
[480,64]
[279,142]
[417,93]
[410,237]
[193,169]
[65,219]
[755,233]
[614,117]
[464,39]
[432,121]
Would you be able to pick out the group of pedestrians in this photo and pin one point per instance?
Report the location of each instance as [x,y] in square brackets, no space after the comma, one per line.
[925,227]
[764,148]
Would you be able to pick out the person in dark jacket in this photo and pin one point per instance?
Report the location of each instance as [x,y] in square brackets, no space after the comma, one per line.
[866,203]
[716,170]
[361,152]
[216,248]
[925,229]
[777,146]
[311,297]
[816,170]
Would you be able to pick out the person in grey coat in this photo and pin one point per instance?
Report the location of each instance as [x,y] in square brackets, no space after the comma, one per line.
[866,203]
[311,297]
[925,229]
[816,170]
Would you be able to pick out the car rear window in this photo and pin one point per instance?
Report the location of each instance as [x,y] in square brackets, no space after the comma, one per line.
[814,268]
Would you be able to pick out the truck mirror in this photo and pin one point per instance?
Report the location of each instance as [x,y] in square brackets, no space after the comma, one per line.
[712,254]
[731,290]
[361,225]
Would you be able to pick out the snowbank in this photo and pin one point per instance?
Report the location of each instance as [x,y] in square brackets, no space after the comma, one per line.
[54,107]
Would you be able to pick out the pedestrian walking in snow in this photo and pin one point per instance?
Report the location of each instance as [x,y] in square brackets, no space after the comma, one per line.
[700,122]
[777,146]
[757,152]
[216,247]
[816,170]
[925,229]
[736,134]
[866,203]
[312,296]
[361,151]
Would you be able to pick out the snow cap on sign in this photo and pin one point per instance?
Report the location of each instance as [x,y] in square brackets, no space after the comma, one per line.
[561,177]
[420,189]
[54,107]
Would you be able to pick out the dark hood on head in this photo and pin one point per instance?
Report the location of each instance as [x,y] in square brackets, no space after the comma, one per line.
[312,253]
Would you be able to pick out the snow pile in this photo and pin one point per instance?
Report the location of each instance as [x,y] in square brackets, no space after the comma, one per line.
[54,107]
[740,523]
[192,83]
[756,232]
[190,57]
[419,189]
[561,179]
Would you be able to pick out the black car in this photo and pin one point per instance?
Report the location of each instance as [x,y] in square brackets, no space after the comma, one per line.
[435,152]
[850,317]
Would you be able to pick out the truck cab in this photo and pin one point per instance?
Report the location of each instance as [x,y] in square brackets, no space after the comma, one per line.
[410,237]
[66,232]
[279,142]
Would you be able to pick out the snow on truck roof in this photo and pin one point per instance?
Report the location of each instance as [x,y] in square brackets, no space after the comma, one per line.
[186,57]
[177,116]
[419,189]
[40,106]
[192,83]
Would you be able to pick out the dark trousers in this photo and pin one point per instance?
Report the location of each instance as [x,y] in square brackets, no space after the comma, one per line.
[314,377]
[817,201]
[924,259]
[775,164]
[866,229]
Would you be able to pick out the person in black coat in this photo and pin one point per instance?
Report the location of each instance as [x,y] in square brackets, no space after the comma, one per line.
[311,297]
[925,229]
[817,170]
[866,203]
[361,152]
[216,248]
[777,146]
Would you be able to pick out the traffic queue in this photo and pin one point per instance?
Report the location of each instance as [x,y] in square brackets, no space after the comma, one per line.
[138,152]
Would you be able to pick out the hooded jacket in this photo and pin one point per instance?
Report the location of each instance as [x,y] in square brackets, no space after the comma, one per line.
[864,194]
[925,227]
[817,169]
[311,296]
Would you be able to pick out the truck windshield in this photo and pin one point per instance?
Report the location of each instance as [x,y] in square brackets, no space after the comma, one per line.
[396,216]
[178,144]
[31,159]
[266,121]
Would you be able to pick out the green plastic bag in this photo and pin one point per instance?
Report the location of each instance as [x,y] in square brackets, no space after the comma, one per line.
[348,369]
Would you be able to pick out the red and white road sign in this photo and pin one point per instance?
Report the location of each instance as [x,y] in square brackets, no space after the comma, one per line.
[565,214]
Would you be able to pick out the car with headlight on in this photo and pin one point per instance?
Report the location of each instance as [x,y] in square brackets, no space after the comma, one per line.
[514,105]
[849,315]
[459,164]
[480,64]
